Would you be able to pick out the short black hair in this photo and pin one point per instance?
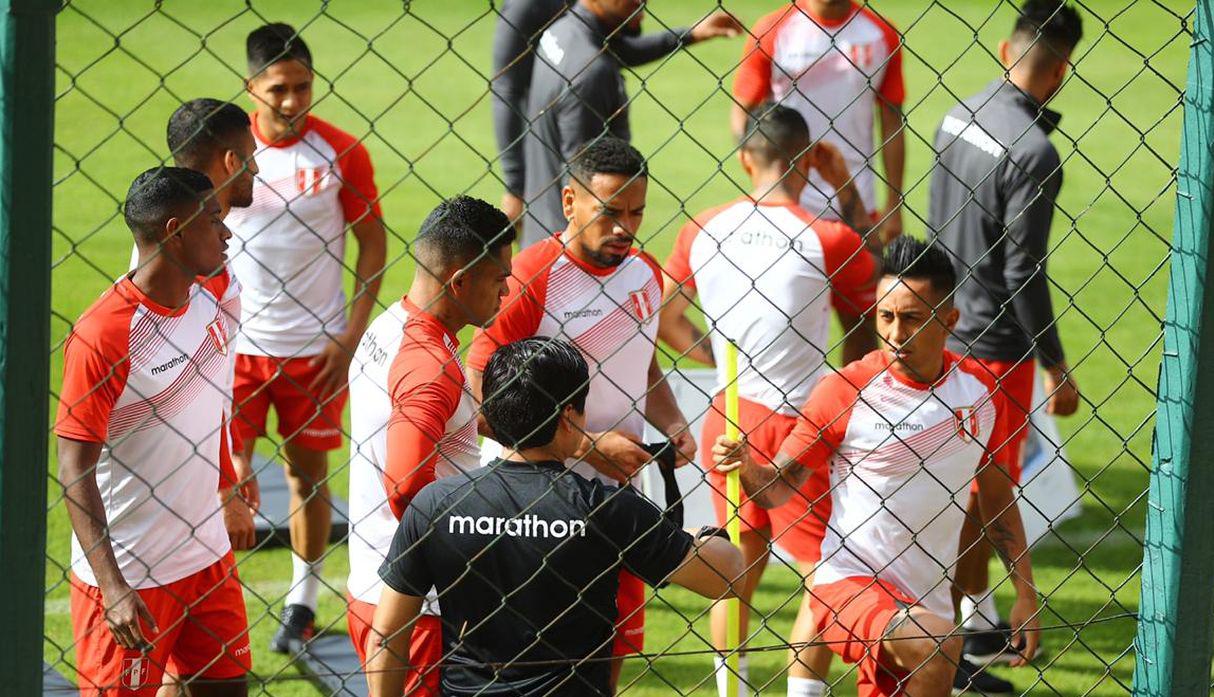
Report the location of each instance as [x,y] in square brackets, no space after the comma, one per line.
[907,257]
[273,43]
[775,133]
[527,384]
[607,155]
[1051,24]
[462,230]
[202,129]
[159,194]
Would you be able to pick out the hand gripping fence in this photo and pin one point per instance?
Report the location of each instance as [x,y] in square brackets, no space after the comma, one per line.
[415,103]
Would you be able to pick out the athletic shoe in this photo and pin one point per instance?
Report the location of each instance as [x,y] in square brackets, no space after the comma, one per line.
[987,647]
[970,679]
[298,626]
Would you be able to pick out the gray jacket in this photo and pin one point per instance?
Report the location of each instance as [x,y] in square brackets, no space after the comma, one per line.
[993,189]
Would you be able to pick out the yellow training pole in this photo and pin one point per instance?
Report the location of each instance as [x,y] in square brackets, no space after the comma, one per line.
[733,494]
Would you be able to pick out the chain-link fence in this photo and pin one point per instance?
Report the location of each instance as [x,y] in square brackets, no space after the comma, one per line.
[911,96]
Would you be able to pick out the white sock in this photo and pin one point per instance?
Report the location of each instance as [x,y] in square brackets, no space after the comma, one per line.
[305,582]
[723,673]
[806,687]
[979,612]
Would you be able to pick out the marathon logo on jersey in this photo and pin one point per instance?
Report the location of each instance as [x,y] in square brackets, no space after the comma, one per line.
[219,336]
[641,307]
[527,526]
[134,672]
[968,426]
[310,180]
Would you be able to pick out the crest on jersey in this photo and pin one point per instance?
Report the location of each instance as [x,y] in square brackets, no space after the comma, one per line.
[641,307]
[968,426]
[218,332]
[134,672]
[861,55]
[310,179]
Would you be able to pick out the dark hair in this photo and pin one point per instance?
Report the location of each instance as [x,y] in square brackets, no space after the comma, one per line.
[202,129]
[907,257]
[607,155]
[775,133]
[273,43]
[461,230]
[159,194]
[1052,24]
[527,384]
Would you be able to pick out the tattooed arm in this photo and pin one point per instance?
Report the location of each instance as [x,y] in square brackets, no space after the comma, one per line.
[1005,531]
[769,486]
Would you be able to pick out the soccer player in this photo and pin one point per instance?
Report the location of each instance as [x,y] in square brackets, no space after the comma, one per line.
[903,432]
[516,37]
[576,95]
[590,286]
[764,272]
[525,553]
[992,205]
[296,340]
[142,418]
[411,417]
[840,65]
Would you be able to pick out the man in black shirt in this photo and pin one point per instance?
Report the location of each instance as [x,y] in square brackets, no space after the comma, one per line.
[993,191]
[525,554]
[577,94]
[515,40]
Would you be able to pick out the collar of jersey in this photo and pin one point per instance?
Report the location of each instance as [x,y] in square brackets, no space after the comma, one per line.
[541,464]
[590,22]
[945,370]
[588,268]
[1044,117]
[826,23]
[421,315]
[127,288]
[301,130]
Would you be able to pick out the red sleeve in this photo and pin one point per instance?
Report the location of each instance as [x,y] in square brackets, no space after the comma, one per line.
[358,194]
[851,268]
[752,83]
[822,423]
[227,471]
[997,445]
[655,267]
[426,388]
[893,85]
[678,264]
[95,369]
[523,306]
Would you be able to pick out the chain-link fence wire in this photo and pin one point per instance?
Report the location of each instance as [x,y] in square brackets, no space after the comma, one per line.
[413,84]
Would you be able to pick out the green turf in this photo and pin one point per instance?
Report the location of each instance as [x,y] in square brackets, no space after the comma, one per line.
[415,87]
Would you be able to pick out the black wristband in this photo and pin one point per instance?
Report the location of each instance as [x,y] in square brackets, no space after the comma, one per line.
[712,531]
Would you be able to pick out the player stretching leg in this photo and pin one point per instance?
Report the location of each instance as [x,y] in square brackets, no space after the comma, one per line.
[765,271]
[904,433]
[411,417]
[296,340]
[142,417]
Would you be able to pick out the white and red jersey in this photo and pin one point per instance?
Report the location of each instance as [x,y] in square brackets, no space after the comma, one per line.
[610,314]
[153,385]
[902,457]
[289,246]
[831,72]
[765,276]
[412,420]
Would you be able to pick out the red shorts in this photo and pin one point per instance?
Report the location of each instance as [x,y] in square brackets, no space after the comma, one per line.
[853,617]
[203,632]
[630,616]
[425,647]
[305,418]
[1015,380]
[799,525]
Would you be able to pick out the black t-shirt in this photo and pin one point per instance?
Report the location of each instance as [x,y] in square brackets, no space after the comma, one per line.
[525,558]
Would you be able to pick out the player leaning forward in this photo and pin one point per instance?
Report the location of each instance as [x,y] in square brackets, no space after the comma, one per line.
[142,417]
[412,420]
[296,341]
[904,431]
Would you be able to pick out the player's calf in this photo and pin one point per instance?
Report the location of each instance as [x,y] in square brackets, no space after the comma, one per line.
[923,645]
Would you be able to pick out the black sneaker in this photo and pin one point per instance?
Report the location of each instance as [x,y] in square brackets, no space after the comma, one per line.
[970,679]
[297,628]
[987,647]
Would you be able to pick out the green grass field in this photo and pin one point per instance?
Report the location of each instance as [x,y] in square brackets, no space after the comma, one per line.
[415,87]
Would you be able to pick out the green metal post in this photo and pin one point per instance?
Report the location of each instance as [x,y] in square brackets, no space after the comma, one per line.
[1173,655]
[27,101]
